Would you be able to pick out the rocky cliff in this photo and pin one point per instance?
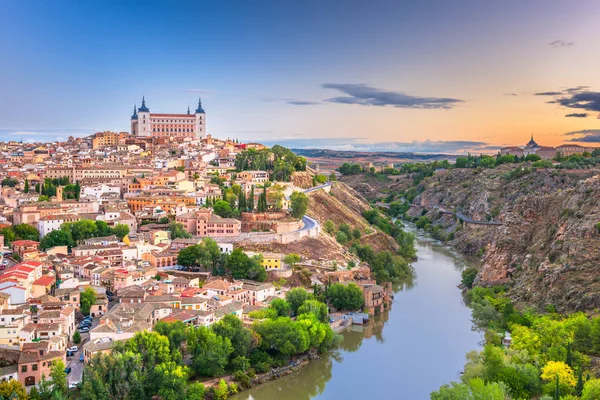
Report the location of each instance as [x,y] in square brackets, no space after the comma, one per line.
[547,248]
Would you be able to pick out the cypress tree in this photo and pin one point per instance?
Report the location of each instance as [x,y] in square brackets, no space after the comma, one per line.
[250,202]
[557,390]
[242,201]
[37,188]
[579,386]
[569,359]
[77,190]
[26,188]
[42,188]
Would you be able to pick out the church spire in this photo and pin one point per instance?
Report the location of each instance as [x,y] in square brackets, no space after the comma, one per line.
[199,110]
[143,108]
[188,109]
[134,116]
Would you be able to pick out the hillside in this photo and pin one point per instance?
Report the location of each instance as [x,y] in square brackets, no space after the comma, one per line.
[548,248]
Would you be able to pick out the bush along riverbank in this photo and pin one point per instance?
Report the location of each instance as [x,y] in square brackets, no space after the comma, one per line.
[527,354]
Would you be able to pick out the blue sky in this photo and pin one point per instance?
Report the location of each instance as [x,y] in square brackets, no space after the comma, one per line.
[347,71]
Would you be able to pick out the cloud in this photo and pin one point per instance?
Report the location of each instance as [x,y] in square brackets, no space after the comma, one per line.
[365,95]
[577,115]
[361,144]
[34,135]
[510,94]
[575,89]
[560,43]
[548,94]
[593,138]
[302,103]
[584,132]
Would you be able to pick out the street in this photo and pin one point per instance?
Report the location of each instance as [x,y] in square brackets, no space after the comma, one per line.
[77,366]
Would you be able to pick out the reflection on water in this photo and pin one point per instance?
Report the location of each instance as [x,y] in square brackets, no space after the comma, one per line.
[405,353]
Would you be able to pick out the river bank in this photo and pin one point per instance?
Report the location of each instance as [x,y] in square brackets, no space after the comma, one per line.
[410,349]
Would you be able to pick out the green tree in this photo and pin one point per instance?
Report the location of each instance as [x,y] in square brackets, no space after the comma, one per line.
[223,209]
[296,297]
[81,230]
[76,337]
[120,231]
[299,204]
[291,259]
[241,339]
[26,232]
[318,309]
[579,385]
[262,202]
[168,380]
[26,188]
[241,266]
[250,201]
[329,227]
[345,297]
[177,231]
[57,238]
[468,277]
[210,352]
[176,332]
[42,198]
[102,229]
[117,375]
[163,220]
[242,201]
[591,390]
[281,307]
[58,378]
[87,299]
[341,238]
[283,336]
[153,348]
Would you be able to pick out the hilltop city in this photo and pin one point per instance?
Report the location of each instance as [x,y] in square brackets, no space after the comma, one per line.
[104,237]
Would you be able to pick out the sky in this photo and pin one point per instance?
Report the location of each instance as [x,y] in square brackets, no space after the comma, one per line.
[426,76]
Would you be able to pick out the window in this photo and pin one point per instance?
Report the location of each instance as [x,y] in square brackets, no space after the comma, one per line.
[34,367]
[24,368]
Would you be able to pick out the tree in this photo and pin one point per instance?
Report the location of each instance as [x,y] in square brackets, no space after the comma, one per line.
[281,307]
[558,373]
[210,352]
[120,231]
[291,259]
[153,348]
[223,209]
[315,307]
[591,390]
[13,389]
[579,385]
[341,238]
[42,198]
[117,375]
[242,201]
[299,204]
[241,266]
[163,220]
[10,182]
[81,230]
[178,231]
[262,202]
[57,238]
[58,378]
[26,232]
[250,201]
[345,297]
[87,299]
[296,297]
[168,380]
[329,227]
[468,277]
[282,335]
[76,337]
[176,332]
[26,188]
[232,328]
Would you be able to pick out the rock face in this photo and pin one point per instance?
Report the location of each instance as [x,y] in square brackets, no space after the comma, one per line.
[548,248]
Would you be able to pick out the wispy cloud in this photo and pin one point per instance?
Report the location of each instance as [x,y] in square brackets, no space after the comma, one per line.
[560,43]
[510,94]
[578,97]
[548,94]
[361,144]
[362,94]
[577,115]
[33,135]
[302,103]
[583,132]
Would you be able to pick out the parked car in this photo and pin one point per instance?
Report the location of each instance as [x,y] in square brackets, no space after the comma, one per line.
[69,353]
[5,262]
[73,349]
[68,370]
[84,329]
[109,293]
[81,358]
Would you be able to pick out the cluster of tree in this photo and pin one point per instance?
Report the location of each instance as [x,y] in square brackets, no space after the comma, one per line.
[548,356]
[385,265]
[177,231]
[343,234]
[10,182]
[19,232]
[350,169]
[71,233]
[345,297]
[298,204]
[280,161]
[206,255]
[405,240]
[147,365]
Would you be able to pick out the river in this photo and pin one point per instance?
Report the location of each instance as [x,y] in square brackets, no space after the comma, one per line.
[405,353]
